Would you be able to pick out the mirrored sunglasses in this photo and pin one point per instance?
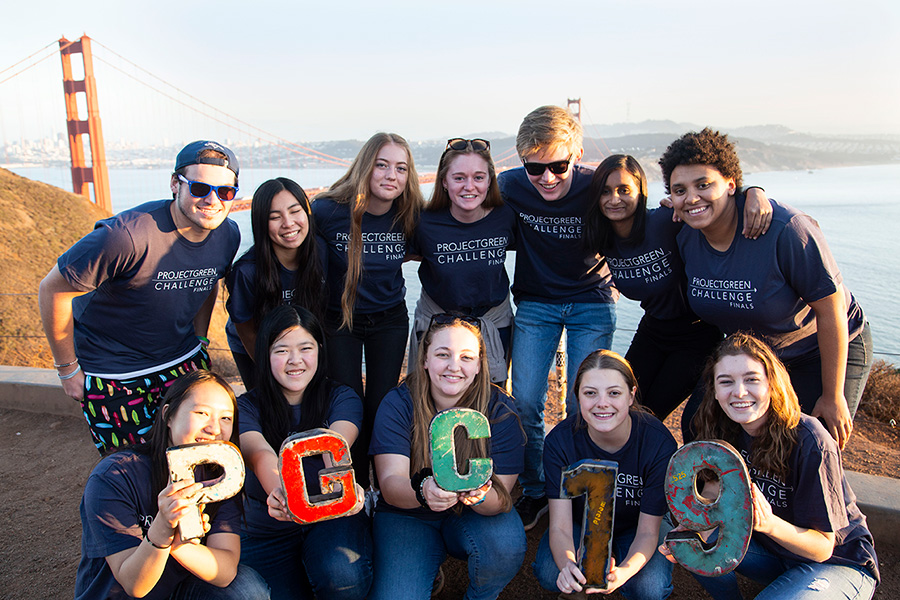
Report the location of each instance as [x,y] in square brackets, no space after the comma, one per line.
[198,189]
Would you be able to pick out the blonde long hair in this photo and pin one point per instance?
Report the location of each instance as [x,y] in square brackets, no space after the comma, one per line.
[771,449]
[477,397]
[353,189]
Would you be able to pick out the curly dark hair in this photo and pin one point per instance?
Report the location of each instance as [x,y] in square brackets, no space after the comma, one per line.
[705,148]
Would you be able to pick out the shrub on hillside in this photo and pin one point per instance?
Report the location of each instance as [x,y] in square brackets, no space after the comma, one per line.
[881,398]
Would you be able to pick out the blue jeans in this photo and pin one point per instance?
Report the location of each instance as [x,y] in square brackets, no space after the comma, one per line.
[538,327]
[409,551]
[325,560]
[652,582]
[246,585]
[792,579]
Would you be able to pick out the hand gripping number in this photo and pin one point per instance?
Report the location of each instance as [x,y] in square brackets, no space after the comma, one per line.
[731,512]
[330,504]
[597,480]
[443,450]
[182,462]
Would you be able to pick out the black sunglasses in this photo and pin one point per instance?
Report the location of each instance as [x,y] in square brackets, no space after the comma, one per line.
[558,167]
[199,189]
[449,318]
[478,144]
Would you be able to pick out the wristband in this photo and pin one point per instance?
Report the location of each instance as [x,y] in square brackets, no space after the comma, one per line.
[483,498]
[750,187]
[70,375]
[417,482]
[64,365]
[154,544]
[203,341]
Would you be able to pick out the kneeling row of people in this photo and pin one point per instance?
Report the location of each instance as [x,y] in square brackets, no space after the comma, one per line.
[806,525]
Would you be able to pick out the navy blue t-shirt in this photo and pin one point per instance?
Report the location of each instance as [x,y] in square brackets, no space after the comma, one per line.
[392,434]
[241,282]
[652,271]
[642,466]
[815,495]
[145,284]
[552,264]
[117,508]
[764,285]
[463,263]
[381,285]
[345,406]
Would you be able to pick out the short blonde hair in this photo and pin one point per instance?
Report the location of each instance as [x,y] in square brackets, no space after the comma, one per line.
[547,128]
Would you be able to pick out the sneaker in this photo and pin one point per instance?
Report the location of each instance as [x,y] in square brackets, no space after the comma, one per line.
[531,510]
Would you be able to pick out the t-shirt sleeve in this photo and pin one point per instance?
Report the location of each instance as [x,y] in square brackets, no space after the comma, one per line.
[555,460]
[103,254]
[662,446]
[345,406]
[109,516]
[241,292]
[819,502]
[248,413]
[507,437]
[806,260]
[393,425]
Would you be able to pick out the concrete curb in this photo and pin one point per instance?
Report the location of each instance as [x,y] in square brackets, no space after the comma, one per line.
[38,390]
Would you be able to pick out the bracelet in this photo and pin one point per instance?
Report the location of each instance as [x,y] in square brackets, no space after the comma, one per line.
[203,341]
[417,482]
[70,375]
[64,365]
[750,187]
[154,544]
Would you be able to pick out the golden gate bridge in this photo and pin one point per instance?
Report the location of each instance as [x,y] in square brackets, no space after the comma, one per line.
[142,101]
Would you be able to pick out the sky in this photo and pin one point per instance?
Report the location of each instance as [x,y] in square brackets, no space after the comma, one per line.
[313,70]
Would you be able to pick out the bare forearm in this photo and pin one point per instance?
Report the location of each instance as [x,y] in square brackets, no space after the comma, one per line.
[217,566]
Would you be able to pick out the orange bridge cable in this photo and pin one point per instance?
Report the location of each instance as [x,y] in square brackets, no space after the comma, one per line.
[599,151]
[339,162]
[29,56]
[342,161]
[34,64]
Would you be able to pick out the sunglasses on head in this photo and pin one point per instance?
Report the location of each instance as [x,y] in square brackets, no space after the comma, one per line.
[477,145]
[449,318]
[557,167]
[199,189]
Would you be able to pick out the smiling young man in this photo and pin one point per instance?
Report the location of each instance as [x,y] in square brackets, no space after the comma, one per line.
[127,308]
[558,284]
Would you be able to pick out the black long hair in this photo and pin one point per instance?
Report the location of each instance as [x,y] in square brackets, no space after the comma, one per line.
[159,441]
[598,231]
[274,410]
[309,290]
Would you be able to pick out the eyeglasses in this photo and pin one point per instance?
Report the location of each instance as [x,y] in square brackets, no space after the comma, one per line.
[450,318]
[478,144]
[199,189]
[558,167]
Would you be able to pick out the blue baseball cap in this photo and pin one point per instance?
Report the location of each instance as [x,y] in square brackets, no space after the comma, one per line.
[190,155]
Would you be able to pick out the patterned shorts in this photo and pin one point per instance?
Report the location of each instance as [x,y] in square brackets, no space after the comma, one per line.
[120,412]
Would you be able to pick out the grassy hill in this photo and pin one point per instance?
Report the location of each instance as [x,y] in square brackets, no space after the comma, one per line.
[38,222]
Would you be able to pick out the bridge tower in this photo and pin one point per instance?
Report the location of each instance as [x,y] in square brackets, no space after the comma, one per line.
[82,175]
[576,112]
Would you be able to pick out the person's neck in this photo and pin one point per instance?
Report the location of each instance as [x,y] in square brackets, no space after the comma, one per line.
[622,229]
[721,233]
[288,257]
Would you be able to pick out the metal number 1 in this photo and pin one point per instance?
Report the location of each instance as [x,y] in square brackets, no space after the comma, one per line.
[731,512]
[595,479]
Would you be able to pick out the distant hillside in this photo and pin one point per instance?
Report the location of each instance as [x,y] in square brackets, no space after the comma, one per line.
[38,222]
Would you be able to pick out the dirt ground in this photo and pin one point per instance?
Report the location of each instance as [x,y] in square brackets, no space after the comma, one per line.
[46,461]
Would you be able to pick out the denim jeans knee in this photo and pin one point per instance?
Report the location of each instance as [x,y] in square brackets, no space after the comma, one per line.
[246,585]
